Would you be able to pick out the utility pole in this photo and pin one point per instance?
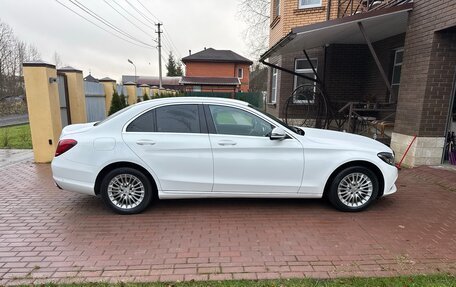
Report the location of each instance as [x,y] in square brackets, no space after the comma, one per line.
[159,58]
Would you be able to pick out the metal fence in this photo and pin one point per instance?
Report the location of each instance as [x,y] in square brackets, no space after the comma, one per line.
[95,101]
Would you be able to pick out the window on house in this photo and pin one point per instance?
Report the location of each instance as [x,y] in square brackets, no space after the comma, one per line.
[305,95]
[309,3]
[274,86]
[240,73]
[397,67]
[196,89]
[276,11]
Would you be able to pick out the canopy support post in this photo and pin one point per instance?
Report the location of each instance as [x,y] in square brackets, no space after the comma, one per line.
[377,61]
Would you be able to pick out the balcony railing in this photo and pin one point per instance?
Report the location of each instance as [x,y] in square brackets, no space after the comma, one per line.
[351,7]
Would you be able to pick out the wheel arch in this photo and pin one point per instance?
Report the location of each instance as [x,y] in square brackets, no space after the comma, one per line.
[121,164]
[363,163]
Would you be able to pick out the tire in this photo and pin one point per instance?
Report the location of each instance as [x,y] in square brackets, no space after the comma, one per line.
[126,191]
[346,196]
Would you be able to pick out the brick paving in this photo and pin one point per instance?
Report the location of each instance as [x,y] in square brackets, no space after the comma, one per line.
[48,235]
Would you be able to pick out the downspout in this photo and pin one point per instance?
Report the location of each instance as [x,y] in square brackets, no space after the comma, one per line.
[325,52]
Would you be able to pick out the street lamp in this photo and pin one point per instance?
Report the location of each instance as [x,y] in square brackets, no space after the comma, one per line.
[131,62]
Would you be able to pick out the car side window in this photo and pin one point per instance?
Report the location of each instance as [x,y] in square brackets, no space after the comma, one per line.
[178,119]
[233,121]
[143,123]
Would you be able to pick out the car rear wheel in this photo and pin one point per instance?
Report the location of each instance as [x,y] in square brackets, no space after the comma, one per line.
[126,190]
[353,189]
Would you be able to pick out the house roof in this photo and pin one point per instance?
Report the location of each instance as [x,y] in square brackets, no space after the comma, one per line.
[213,81]
[378,24]
[90,78]
[154,81]
[216,56]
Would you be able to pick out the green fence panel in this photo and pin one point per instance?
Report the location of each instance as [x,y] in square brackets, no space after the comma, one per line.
[253,98]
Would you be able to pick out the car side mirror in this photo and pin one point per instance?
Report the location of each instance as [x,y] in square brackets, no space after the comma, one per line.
[277,134]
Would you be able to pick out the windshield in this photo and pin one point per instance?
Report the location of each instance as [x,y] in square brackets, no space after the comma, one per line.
[293,129]
[113,115]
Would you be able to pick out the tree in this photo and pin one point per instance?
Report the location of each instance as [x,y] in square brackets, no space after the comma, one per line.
[57,60]
[123,101]
[116,103]
[145,97]
[13,52]
[255,13]
[173,68]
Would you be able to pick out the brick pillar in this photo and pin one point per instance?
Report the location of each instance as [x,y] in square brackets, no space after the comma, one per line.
[76,94]
[132,98]
[109,86]
[43,108]
[145,89]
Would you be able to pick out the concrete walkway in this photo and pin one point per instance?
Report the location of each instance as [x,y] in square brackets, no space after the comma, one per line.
[13,156]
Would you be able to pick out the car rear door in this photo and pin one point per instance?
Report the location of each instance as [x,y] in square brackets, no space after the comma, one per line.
[246,160]
[173,141]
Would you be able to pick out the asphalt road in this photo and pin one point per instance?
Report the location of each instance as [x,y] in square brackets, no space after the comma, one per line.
[13,120]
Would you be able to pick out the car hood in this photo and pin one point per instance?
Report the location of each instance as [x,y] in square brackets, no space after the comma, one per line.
[344,140]
[76,128]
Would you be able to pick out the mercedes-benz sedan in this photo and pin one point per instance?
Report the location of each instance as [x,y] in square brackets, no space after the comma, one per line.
[208,147]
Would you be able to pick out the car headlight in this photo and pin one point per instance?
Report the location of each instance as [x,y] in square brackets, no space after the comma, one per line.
[387,157]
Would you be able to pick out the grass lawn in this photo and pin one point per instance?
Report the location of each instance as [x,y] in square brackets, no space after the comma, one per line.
[17,137]
[405,281]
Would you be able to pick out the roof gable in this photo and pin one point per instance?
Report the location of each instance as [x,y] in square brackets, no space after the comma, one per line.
[217,56]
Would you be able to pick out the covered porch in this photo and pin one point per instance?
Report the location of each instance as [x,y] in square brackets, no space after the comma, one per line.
[341,74]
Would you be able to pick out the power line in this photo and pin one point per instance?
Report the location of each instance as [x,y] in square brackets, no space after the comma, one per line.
[128,12]
[141,13]
[107,23]
[126,18]
[90,21]
[148,10]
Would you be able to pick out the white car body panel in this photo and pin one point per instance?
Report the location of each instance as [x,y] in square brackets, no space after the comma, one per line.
[198,167]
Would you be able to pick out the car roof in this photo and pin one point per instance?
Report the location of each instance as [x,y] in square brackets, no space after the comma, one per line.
[193,99]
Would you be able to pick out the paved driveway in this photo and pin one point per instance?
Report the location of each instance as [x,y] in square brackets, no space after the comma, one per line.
[52,235]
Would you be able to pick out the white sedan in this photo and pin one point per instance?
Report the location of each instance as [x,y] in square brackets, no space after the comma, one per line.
[209,147]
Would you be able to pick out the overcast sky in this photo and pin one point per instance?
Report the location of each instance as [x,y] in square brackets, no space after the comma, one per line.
[189,24]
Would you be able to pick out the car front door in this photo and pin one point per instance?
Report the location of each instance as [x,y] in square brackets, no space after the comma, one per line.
[173,141]
[246,160]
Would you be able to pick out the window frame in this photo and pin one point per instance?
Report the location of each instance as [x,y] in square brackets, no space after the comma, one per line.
[304,71]
[300,6]
[242,73]
[274,86]
[276,9]
[201,117]
[396,51]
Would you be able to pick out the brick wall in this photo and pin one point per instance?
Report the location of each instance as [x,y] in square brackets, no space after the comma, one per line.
[291,16]
[423,99]
[203,69]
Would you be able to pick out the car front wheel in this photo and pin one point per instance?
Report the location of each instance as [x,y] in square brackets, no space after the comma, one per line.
[126,191]
[353,189]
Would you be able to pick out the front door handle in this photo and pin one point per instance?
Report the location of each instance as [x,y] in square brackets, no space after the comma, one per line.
[226,142]
[145,142]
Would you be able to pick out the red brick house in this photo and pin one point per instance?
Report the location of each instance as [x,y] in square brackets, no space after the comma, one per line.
[214,70]
[395,53]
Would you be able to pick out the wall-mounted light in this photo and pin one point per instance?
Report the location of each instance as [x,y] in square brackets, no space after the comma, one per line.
[52,80]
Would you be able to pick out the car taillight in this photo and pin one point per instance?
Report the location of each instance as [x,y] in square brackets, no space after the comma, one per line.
[64,146]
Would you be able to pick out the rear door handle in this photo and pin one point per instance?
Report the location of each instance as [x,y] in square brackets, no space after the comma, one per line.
[226,142]
[145,142]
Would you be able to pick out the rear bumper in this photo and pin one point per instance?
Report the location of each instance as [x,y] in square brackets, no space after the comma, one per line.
[72,176]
